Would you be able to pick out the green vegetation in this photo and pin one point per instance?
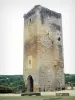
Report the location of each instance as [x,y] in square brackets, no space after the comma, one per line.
[16,82]
[37,98]
[4,89]
[70,79]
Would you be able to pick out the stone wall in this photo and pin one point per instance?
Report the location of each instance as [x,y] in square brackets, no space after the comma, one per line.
[43,42]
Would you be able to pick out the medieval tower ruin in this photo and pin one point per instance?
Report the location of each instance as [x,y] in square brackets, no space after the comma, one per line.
[43,68]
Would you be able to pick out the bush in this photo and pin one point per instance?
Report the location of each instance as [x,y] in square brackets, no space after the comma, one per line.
[4,89]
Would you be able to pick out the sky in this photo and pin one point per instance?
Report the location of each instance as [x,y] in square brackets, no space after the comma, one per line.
[12,30]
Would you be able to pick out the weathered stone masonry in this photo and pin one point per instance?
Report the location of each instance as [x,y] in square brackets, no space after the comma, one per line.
[43,49]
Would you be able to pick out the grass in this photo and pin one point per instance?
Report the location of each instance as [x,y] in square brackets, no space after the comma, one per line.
[36,98]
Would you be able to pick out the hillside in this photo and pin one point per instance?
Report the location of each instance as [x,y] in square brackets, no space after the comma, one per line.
[16,82]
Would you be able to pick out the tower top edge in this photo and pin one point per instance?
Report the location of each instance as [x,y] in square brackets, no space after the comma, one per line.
[41,9]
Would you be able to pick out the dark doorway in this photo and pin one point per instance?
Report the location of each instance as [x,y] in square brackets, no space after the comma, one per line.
[30,84]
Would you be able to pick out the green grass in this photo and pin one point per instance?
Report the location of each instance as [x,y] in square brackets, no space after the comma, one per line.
[36,98]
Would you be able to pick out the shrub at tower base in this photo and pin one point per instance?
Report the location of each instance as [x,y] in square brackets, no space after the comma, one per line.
[4,89]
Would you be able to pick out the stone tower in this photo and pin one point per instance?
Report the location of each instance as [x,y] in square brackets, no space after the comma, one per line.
[43,68]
